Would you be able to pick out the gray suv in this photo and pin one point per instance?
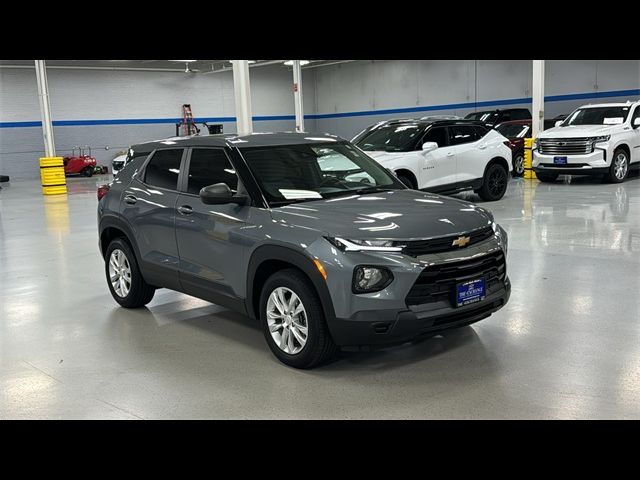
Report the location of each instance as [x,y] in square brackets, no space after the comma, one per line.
[304,232]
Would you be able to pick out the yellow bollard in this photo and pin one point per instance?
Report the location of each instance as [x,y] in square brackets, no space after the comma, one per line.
[528,160]
[52,176]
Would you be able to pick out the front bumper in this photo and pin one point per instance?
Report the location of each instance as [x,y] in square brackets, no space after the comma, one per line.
[594,163]
[389,327]
[398,313]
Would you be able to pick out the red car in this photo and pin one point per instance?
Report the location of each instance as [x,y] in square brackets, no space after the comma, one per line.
[516,131]
[81,164]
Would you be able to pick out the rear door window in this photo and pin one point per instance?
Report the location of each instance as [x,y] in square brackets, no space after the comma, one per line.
[164,168]
[461,134]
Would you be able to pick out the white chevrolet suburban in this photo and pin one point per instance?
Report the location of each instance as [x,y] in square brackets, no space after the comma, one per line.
[599,139]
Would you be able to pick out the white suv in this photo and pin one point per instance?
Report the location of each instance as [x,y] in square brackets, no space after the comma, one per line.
[599,139]
[441,155]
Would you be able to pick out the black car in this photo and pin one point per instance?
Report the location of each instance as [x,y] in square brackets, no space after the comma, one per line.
[494,117]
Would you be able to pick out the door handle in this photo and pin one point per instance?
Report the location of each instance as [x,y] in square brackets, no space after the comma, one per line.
[185,210]
[130,199]
[483,146]
[450,154]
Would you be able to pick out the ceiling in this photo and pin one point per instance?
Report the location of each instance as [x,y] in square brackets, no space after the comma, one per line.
[198,66]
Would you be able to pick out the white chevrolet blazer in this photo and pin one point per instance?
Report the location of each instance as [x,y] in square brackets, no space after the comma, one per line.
[599,139]
[441,155]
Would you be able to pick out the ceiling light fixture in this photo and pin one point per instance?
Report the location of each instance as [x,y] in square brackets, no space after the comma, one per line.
[302,62]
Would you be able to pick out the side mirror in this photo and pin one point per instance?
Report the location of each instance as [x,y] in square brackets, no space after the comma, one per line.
[219,194]
[557,124]
[636,122]
[429,147]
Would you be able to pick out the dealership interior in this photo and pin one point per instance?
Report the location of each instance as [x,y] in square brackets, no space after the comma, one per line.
[545,152]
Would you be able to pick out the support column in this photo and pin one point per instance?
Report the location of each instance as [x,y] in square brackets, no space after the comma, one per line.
[297,96]
[45,108]
[242,94]
[537,91]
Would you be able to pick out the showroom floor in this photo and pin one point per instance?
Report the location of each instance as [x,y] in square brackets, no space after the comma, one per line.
[566,346]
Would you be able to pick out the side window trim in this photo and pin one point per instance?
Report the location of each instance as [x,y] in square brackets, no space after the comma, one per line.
[143,170]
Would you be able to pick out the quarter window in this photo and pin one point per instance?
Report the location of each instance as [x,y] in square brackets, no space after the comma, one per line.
[209,166]
[163,169]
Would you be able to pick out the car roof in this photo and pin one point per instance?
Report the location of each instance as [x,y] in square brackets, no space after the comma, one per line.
[499,110]
[617,104]
[239,141]
[516,122]
[425,121]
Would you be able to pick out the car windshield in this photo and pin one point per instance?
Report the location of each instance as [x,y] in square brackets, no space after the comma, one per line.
[297,173]
[391,138]
[597,116]
[513,130]
[487,117]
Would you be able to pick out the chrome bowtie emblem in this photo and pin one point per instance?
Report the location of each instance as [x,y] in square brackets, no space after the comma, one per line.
[461,241]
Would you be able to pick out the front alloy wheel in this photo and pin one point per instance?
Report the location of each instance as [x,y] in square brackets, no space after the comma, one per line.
[287,320]
[619,166]
[293,321]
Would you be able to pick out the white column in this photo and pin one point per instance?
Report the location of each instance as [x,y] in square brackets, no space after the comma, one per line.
[297,96]
[45,108]
[537,107]
[242,94]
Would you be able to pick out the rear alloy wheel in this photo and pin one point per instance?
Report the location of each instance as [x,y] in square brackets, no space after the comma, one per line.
[619,166]
[293,320]
[87,171]
[518,164]
[494,183]
[125,281]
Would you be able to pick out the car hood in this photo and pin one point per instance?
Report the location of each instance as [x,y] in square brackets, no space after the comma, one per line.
[573,131]
[396,214]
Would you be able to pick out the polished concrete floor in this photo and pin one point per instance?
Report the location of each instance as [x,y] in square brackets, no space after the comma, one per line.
[566,346]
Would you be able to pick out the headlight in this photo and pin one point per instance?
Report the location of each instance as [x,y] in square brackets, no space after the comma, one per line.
[368,279]
[364,245]
[502,236]
[603,138]
[534,145]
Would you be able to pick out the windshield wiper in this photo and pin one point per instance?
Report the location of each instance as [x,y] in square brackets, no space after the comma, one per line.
[372,190]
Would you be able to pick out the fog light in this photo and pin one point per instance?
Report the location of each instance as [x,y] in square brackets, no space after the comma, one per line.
[370,279]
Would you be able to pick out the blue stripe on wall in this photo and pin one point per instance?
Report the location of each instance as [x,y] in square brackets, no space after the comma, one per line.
[264,118]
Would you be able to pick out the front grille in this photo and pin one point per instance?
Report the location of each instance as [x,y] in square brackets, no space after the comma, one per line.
[438,282]
[565,146]
[444,244]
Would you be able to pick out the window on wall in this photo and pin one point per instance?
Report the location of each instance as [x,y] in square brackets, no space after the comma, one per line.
[460,134]
[163,169]
[209,166]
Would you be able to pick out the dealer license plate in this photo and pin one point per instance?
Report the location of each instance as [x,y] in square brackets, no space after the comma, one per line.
[560,160]
[471,291]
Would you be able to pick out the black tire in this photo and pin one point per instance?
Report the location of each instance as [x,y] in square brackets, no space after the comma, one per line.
[87,172]
[494,183]
[518,164]
[319,347]
[619,166]
[547,177]
[406,180]
[140,292]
